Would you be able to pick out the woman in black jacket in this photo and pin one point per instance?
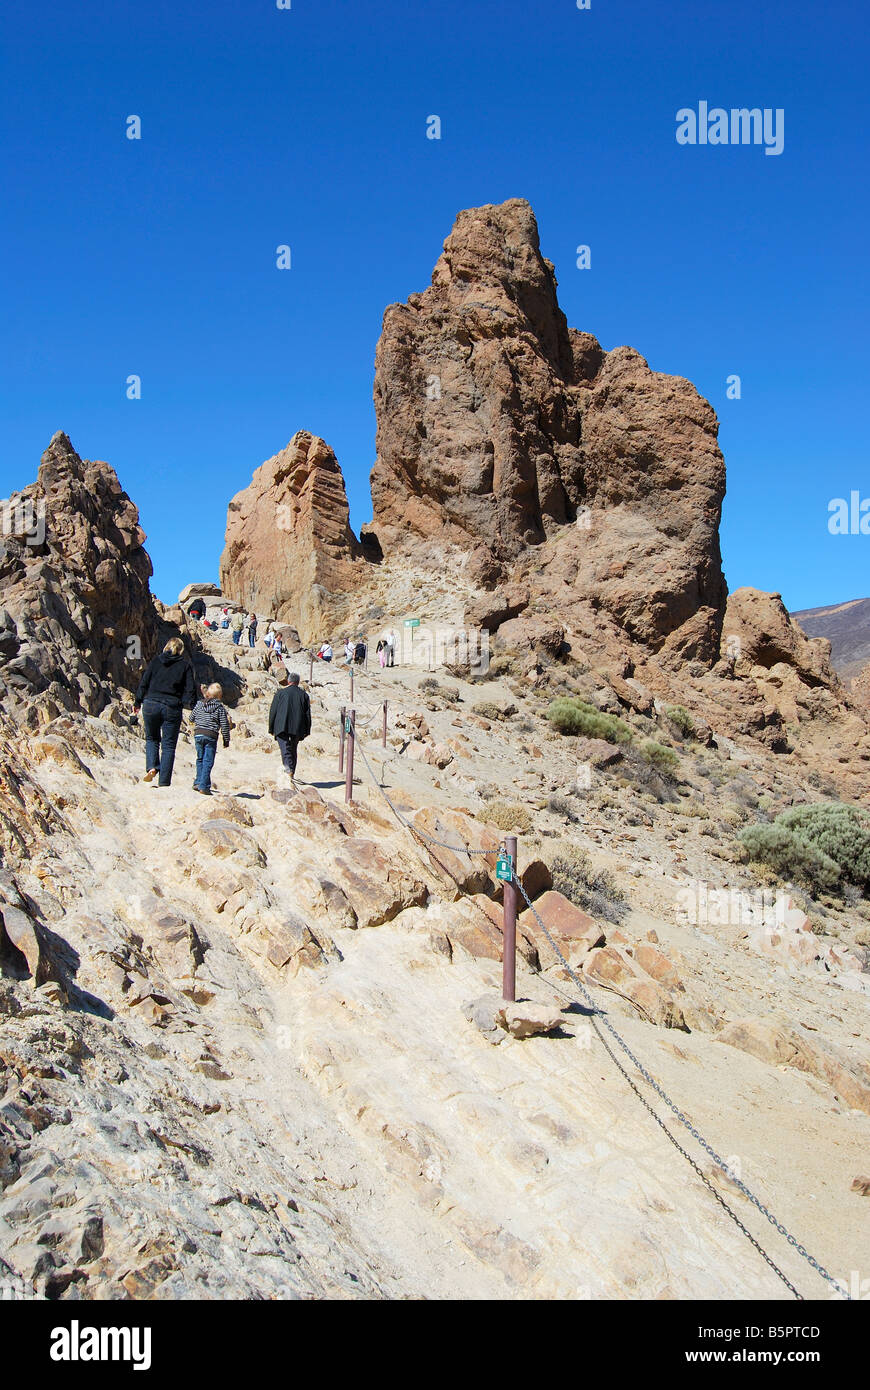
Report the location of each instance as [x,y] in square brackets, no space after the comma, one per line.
[164,690]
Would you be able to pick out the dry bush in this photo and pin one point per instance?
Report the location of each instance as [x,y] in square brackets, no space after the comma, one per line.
[486,710]
[509,816]
[593,890]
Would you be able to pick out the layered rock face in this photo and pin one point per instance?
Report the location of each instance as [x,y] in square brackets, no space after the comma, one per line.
[500,428]
[289,550]
[77,614]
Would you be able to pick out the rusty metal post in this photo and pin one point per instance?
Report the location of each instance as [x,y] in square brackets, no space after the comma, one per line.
[509,944]
[384,738]
[348,781]
[351,684]
[341,714]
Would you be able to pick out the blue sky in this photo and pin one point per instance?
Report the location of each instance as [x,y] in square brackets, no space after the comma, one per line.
[307,126]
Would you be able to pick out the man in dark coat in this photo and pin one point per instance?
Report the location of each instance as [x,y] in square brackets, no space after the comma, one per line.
[290,721]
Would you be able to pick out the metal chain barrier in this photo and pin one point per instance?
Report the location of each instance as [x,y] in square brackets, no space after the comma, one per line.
[415,830]
[365,722]
[650,1080]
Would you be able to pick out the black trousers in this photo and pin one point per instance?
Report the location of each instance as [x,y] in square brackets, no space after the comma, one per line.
[162,722]
[289,746]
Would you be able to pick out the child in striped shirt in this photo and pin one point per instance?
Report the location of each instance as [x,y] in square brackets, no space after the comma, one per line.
[209,718]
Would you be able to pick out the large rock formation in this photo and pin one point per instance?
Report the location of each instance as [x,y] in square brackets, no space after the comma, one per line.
[77,614]
[499,427]
[289,550]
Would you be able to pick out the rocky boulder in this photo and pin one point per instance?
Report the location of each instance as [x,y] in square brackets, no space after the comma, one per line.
[289,551]
[758,632]
[77,610]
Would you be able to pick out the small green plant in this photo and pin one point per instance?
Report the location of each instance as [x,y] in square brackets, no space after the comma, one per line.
[568,715]
[507,815]
[594,890]
[664,760]
[789,856]
[681,720]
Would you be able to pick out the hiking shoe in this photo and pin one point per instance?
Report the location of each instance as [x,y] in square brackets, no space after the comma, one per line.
[150,774]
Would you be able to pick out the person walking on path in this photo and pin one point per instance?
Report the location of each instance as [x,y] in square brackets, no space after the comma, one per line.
[209,718]
[252,629]
[391,648]
[290,721]
[236,627]
[167,687]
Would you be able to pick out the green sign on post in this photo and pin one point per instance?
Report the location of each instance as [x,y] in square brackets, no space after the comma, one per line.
[412,622]
[504,868]
[347,725]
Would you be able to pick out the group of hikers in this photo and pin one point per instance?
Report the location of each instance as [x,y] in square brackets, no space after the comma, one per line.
[237,624]
[168,687]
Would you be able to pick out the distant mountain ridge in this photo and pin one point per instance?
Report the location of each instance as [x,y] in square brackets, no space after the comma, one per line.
[847,628]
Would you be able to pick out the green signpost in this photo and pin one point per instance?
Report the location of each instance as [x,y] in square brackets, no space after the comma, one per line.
[504,868]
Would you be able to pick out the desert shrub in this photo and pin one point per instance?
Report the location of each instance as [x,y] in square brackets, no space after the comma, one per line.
[429,686]
[591,889]
[710,770]
[569,715]
[486,709]
[790,856]
[641,774]
[504,664]
[681,720]
[836,830]
[664,760]
[507,815]
[824,784]
[562,805]
[743,792]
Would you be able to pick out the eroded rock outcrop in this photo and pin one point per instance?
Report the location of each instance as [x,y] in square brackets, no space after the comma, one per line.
[499,428]
[289,550]
[77,614]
